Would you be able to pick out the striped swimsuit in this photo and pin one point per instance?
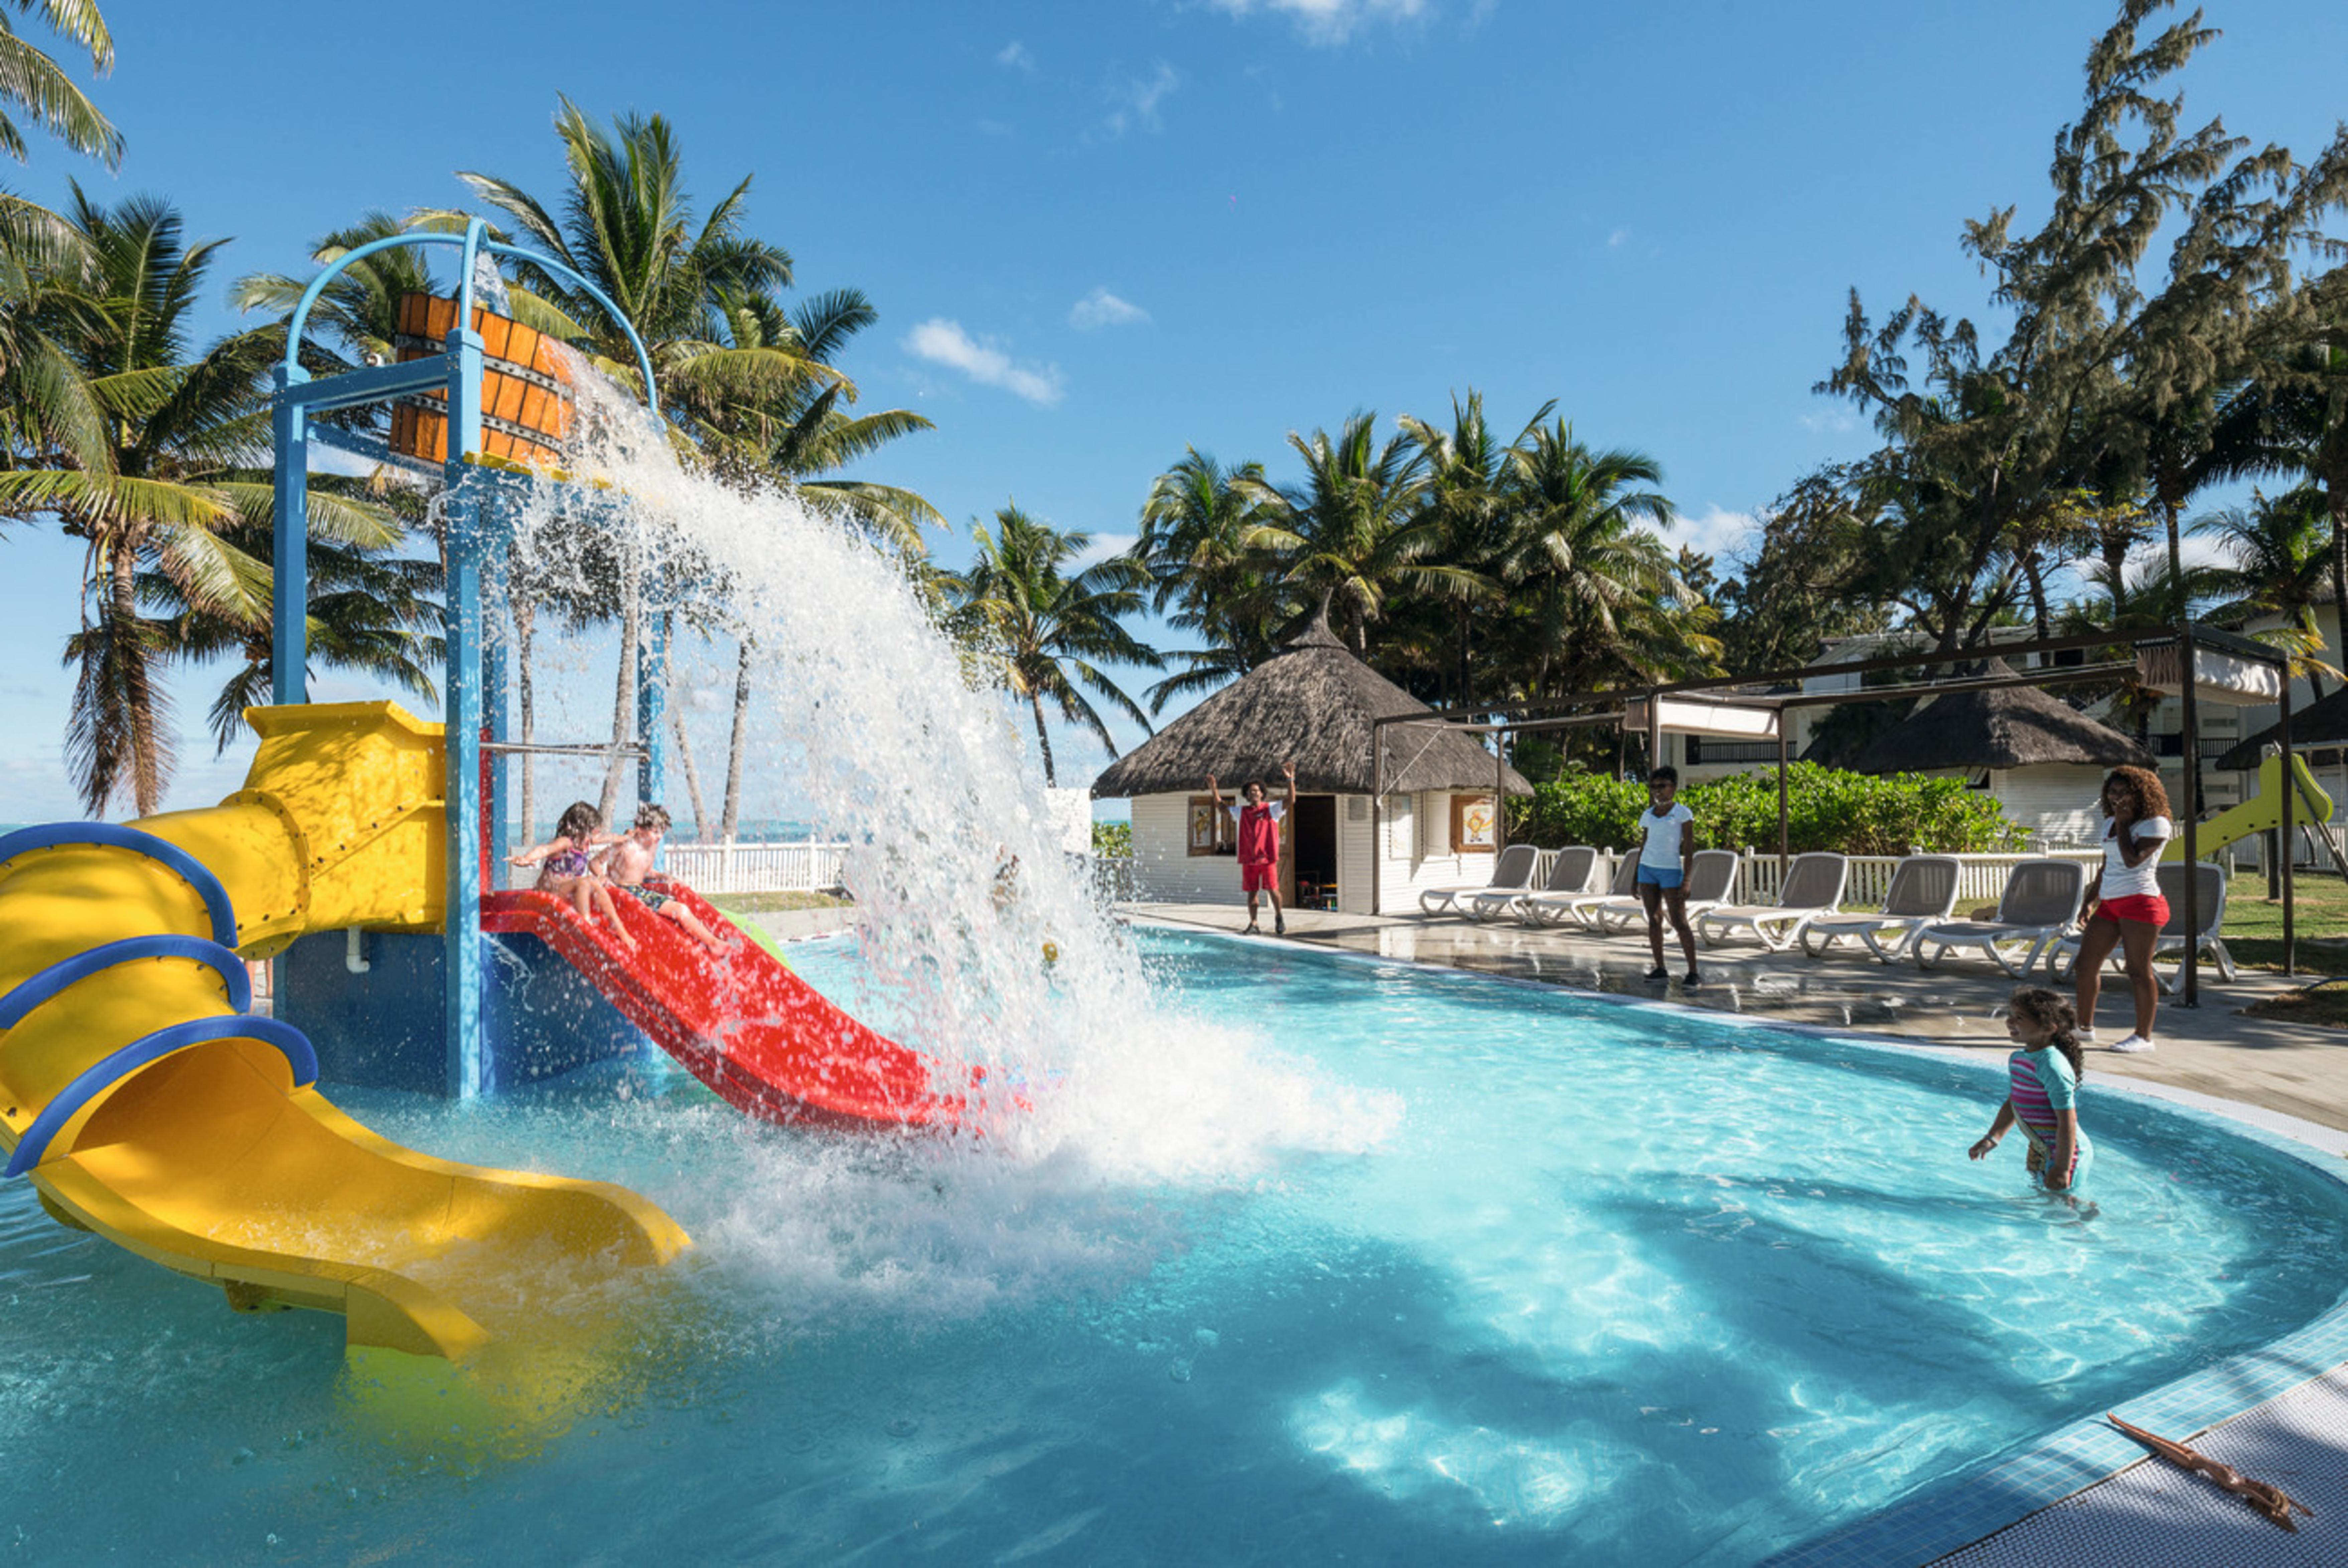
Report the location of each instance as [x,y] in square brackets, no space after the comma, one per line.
[2042,1086]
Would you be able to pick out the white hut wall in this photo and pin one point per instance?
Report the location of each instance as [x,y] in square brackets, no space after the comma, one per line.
[1354,853]
[1417,853]
[1164,869]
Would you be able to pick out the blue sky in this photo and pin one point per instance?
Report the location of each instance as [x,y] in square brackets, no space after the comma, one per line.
[1098,233]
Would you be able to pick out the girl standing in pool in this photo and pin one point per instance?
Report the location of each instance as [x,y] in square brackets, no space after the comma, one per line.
[2042,1089]
[2128,910]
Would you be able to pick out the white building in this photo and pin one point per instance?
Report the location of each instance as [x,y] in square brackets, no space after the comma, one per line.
[1381,813]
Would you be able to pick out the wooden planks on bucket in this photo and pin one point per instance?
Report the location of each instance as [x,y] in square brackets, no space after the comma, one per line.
[526,400]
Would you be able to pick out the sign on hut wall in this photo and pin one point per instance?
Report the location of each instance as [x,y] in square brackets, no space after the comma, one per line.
[1475,824]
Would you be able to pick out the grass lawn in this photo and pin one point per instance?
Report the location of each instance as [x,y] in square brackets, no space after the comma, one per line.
[773,902]
[2254,927]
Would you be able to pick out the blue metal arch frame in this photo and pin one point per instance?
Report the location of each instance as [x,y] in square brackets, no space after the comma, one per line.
[469,244]
[108,1071]
[474,685]
[113,835]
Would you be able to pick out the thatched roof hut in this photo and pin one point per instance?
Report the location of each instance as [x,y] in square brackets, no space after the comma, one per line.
[2004,728]
[2321,726]
[1311,703]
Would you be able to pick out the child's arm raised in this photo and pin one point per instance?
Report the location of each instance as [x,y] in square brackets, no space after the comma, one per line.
[530,856]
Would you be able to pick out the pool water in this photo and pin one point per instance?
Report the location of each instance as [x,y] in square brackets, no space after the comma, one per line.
[1390,1266]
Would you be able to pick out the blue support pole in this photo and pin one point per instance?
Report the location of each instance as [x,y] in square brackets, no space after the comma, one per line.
[288,608]
[463,500]
[496,655]
[652,707]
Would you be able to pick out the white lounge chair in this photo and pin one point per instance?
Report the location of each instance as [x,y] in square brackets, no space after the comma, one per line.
[2211,880]
[1923,892]
[1572,908]
[1512,872]
[1710,875]
[1814,884]
[2041,901]
[1569,870]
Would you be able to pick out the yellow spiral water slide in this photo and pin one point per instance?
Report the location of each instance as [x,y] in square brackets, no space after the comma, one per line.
[148,1104]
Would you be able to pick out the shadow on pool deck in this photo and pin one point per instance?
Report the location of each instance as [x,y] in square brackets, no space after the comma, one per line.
[2298,1070]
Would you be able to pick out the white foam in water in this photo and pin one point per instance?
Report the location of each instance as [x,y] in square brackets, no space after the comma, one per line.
[863,713]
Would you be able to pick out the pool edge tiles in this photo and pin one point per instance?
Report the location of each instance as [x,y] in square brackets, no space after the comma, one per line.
[1952,1513]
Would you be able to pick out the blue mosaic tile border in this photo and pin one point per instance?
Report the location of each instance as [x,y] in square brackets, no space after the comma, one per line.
[1957,1510]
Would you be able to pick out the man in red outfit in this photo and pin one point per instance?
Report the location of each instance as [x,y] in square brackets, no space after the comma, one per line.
[1259,842]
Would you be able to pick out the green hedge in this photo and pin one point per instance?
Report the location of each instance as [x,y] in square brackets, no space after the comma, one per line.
[1114,839]
[1826,808]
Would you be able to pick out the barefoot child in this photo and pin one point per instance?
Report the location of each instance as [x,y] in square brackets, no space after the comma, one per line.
[630,860]
[564,868]
[1670,829]
[2042,1091]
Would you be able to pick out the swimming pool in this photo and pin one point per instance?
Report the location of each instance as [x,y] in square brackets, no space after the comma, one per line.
[1387,1265]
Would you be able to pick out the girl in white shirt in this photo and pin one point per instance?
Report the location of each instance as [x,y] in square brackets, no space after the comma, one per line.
[1668,839]
[2127,910]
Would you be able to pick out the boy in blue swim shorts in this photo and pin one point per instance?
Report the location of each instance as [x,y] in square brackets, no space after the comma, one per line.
[1669,839]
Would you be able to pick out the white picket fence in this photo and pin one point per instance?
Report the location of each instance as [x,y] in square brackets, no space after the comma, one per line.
[1980,879]
[805,867]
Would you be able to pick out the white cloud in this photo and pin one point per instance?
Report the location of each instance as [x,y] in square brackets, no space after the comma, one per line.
[1717,532]
[943,342]
[1615,241]
[1014,53]
[1838,423]
[1137,101]
[1101,308]
[1332,22]
[1102,546]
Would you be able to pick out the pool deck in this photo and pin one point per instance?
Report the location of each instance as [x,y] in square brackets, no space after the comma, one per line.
[2298,1070]
[2150,1514]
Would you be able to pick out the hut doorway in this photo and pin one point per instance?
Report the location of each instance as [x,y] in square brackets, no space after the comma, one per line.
[1309,877]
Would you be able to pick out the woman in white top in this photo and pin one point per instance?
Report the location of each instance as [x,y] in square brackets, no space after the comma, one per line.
[2127,909]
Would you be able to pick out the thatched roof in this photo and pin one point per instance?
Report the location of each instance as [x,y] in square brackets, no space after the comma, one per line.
[2008,727]
[2322,726]
[1310,703]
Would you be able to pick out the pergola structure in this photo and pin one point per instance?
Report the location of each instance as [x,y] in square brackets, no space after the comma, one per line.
[2223,667]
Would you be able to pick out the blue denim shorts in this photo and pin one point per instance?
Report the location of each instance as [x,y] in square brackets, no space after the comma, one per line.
[1659,876]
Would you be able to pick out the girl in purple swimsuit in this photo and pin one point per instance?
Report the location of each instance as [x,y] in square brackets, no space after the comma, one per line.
[564,868]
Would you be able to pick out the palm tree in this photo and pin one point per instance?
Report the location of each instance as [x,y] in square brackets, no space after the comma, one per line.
[1194,545]
[1039,632]
[1468,498]
[175,479]
[1351,533]
[36,83]
[2278,549]
[628,226]
[1600,597]
[357,316]
[371,611]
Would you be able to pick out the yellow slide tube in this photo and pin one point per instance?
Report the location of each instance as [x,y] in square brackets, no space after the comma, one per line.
[217,1158]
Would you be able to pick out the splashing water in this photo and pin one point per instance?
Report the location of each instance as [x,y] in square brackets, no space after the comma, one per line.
[864,709]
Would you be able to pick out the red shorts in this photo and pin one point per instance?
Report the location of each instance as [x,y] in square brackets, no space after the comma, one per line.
[1260,876]
[2148,907]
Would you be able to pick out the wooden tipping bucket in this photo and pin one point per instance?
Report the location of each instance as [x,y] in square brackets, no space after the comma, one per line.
[526,399]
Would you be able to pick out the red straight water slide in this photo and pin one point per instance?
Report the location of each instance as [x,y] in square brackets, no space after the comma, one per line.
[744,1024]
